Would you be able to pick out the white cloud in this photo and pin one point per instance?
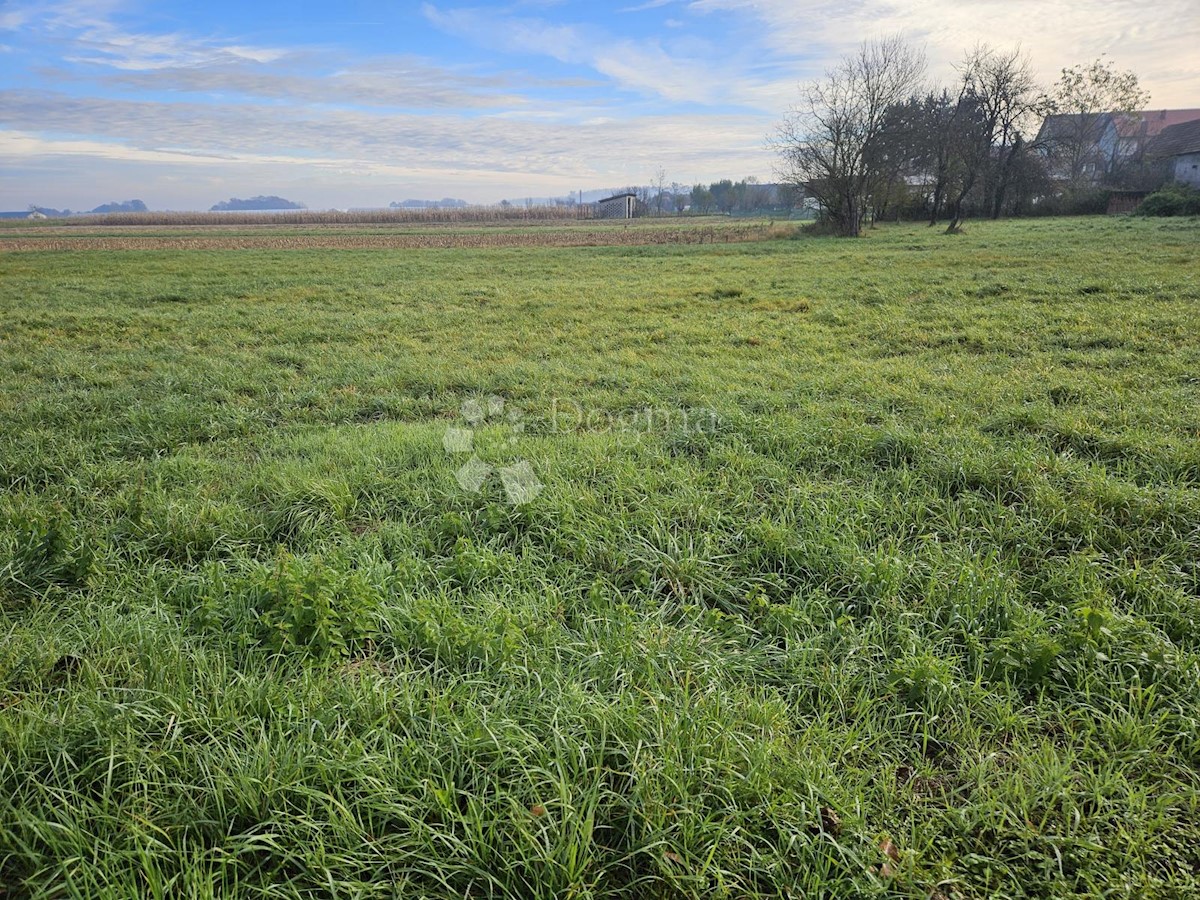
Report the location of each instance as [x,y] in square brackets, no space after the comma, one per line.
[327,120]
[374,144]
[87,31]
[648,5]
[1158,42]
[707,75]
[83,32]
[102,44]
[12,19]
[394,82]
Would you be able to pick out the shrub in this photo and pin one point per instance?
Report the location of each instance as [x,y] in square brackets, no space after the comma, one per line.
[46,554]
[306,605]
[822,226]
[924,680]
[1091,202]
[1029,657]
[319,608]
[1172,200]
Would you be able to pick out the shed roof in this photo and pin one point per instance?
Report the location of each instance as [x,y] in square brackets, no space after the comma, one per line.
[1176,140]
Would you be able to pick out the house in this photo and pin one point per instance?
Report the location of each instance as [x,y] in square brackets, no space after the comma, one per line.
[1131,135]
[1075,142]
[1178,146]
[618,206]
[1096,146]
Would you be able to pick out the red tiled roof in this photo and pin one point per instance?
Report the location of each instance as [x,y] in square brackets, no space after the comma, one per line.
[1150,122]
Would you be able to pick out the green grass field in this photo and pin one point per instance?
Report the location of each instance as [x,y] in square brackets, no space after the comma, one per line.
[859,568]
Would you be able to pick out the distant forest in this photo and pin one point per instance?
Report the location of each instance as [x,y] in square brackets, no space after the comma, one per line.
[236,204]
[118,207]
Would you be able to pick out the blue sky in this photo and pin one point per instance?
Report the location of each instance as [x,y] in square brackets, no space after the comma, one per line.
[362,103]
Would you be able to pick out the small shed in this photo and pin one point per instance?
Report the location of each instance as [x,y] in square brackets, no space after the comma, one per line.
[1123,202]
[618,206]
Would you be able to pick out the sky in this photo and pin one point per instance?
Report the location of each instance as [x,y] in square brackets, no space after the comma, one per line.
[361,103]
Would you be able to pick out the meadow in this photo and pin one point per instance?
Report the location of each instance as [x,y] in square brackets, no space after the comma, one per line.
[788,568]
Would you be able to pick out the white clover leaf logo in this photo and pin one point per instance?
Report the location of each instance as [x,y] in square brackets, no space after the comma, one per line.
[521,484]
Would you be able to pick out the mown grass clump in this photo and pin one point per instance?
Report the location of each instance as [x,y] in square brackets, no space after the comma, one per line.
[45,555]
[893,597]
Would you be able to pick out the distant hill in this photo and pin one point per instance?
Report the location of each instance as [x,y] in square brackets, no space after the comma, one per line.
[444,203]
[255,203]
[117,207]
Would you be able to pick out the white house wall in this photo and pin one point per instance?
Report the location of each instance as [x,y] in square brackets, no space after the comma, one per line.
[1187,169]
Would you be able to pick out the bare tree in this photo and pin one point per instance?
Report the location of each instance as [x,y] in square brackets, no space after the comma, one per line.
[1086,99]
[827,142]
[998,98]
[660,187]
[940,116]
[679,197]
[756,195]
[1012,101]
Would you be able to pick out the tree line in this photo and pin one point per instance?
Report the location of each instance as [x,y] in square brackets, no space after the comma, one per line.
[874,139]
[724,197]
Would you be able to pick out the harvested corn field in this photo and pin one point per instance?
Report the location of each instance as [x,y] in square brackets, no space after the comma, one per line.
[282,237]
